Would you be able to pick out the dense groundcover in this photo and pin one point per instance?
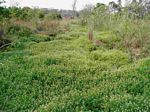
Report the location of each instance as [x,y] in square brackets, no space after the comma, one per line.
[68,75]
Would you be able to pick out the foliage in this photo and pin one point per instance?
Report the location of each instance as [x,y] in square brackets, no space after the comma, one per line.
[128,24]
[112,56]
[51,66]
[63,75]
[19,30]
[85,14]
[53,16]
[49,27]
[4,13]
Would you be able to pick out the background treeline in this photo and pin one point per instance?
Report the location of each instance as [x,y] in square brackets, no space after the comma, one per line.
[27,13]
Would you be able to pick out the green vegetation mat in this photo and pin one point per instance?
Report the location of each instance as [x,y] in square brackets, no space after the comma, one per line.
[70,74]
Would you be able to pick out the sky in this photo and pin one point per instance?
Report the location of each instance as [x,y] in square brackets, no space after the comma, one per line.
[57,4]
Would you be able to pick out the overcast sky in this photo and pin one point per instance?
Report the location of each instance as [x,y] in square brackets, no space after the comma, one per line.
[58,4]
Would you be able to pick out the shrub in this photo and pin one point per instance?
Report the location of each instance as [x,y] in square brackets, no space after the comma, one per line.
[134,37]
[40,38]
[64,37]
[4,13]
[51,62]
[17,45]
[53,16]
[51,28]
[19,30]
[113,57]
[4,40]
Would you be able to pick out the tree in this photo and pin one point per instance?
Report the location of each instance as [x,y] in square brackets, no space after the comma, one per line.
[85,13]
[4,12]
[140,1]
[136,9]
[74,7]
[113,7]
[134,1]
[53,16]
[147,5]
[119,2]
[101,16]
[2,1]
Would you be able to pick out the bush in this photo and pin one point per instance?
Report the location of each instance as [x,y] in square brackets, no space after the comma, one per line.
[134,35]
[40,38]
[19,30]
[113,57]
[4,40]
[53,16]
[51,28]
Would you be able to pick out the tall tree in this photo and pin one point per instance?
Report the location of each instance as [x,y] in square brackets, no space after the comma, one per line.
[147,5]
[119,2]
[134,1]
[2,1]
[113,7]
[74,7]
[140,1]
